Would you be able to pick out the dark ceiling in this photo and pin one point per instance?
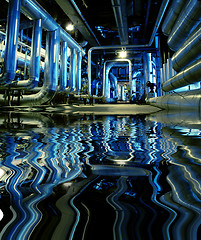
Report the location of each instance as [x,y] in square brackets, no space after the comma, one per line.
[138,19]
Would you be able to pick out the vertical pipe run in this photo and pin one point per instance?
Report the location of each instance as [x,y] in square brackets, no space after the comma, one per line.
[13,21]
[36,52]
[72,82]
[53,60]
[79,66]
[63,73]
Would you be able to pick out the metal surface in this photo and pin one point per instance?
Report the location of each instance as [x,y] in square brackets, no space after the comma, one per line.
[187,21]
[189,51]
[11,41]
[119,8]
[172,15]
[189,75]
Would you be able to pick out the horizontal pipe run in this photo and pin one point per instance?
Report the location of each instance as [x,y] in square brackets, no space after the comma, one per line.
[189,100]
[133,47]
[35,11]
[187,21]
[189,51]
[172,15]
[189,75]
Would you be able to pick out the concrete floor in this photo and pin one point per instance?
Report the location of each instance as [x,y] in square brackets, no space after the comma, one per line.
[99,109]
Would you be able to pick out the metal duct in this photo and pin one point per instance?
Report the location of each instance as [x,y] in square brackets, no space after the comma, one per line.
[187,21]
[189,75]
[12,30]
[189,51]
[172,15]
[119,8]
[63,64]
[34,73]
[51,72]
[190,100]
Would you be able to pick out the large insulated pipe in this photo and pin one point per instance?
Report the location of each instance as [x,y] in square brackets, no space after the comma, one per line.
[79,70]
[73,73]
[119,8]
[34,72]
[187,21]
[189,100]
[189,51]
[63,64]
[35,11]
[51,72]
[13,21]
[162,10]
[189,75]
[172,15]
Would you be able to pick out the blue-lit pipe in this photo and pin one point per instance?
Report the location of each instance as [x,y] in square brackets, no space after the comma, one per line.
[72,82]
[63,73]
[35,11]
[13,20]
[51,72]
[79,68]
[34,73]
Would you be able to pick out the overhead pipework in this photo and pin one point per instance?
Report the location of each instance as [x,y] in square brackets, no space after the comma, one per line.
[55,36]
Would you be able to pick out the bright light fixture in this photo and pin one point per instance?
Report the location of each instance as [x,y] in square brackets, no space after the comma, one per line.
[123,54]
[70,27]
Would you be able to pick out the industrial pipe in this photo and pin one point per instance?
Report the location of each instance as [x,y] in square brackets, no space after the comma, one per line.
[35,11]
[63,65]
[51,72]
[189,51]
[189,100]
[172,15]
[187,21]
[12,30]
[72,81]
[106,70]
[34,73]
[162,10]
[119,8]
[189,75]
[79,70]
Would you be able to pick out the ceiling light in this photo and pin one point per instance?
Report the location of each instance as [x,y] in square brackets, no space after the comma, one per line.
[123,54]
[70,27]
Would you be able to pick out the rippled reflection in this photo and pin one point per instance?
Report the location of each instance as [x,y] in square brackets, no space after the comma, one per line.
[100,177]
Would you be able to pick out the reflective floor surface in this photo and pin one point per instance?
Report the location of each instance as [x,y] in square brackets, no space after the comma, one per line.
[86,176]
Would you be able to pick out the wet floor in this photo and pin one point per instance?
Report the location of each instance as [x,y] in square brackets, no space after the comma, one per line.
[86,176]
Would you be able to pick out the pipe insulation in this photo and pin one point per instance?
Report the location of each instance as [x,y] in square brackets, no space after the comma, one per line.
[189,100]
[172,15]
[189,75]
[189,52]
[34,73]
[13,21]
[188,20]
[34,11]
[51,72]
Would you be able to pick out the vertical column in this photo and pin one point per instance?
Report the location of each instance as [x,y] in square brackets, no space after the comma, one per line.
[63,71]
[72,83]
[79,68]
[13,21]
[36,52]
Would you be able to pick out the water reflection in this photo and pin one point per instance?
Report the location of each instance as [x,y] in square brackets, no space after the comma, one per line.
[100,177]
